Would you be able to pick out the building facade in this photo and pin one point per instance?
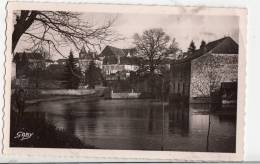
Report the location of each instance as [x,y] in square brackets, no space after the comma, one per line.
[200,75]
[85,58]
[118,63]
[180,80]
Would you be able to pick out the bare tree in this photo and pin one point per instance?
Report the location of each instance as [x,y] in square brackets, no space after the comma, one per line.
[154,45]
[59,28]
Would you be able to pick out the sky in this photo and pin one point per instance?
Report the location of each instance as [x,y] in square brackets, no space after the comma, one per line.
[183,28]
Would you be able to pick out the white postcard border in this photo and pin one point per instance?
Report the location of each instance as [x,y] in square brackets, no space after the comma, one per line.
[131,154]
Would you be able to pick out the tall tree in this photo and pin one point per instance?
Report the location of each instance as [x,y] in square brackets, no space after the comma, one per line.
[72,73]
[154,46]
[191,48]
[55,29]
[92,75]
[202,45]
[22,64]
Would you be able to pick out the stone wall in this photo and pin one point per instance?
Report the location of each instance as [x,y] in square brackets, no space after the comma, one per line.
[67,92]
[126,95]
[210,70]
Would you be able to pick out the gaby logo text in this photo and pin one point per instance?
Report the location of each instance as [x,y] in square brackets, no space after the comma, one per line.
[23,135]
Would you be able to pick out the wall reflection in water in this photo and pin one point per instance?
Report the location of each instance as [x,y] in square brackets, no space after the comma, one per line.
[138,124]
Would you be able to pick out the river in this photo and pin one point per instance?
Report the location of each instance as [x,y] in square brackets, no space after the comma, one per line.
[137,124]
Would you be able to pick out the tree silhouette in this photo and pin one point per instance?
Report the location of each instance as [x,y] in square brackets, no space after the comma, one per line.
[22,64]
[154,47]
[191,48]
[72,73]
[202,45]
[55,29]
[92,75]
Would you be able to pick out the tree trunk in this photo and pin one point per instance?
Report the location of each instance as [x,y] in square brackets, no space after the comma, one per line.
[23,22]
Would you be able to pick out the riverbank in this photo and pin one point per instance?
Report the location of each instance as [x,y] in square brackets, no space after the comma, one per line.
[32,130]
[57,98]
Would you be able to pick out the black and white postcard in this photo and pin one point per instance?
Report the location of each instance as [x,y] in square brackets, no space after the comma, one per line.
[125,81]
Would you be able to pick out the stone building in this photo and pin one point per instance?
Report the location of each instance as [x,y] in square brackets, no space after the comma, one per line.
[32,59]
[198,76]
[86,57]
[180,72]
[118,62]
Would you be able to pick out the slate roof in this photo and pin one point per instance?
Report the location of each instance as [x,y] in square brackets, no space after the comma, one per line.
[110,50]
[113,54]
[224,45]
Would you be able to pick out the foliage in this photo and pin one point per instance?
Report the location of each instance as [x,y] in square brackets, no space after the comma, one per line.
[22,64]
[72,75]
[202,45]
[35,73]
[191,48]
[93,75]
[154,46]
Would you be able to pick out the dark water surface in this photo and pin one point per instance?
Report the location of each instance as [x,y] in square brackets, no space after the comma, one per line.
[137,124]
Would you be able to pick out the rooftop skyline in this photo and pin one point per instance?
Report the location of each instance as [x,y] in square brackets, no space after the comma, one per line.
[183,28]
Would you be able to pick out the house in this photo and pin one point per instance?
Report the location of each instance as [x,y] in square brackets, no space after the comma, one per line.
[32,59]
[26,61]
[118,61]
[180,72]
[85,58]
[199,76]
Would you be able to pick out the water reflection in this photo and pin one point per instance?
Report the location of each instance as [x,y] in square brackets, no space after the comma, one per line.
[138,124]
[178,119]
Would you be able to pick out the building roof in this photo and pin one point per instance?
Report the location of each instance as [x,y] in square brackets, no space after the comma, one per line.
[83,54]
[130,51]
[112,51]
[29,55]
[224,45]
[114,55]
